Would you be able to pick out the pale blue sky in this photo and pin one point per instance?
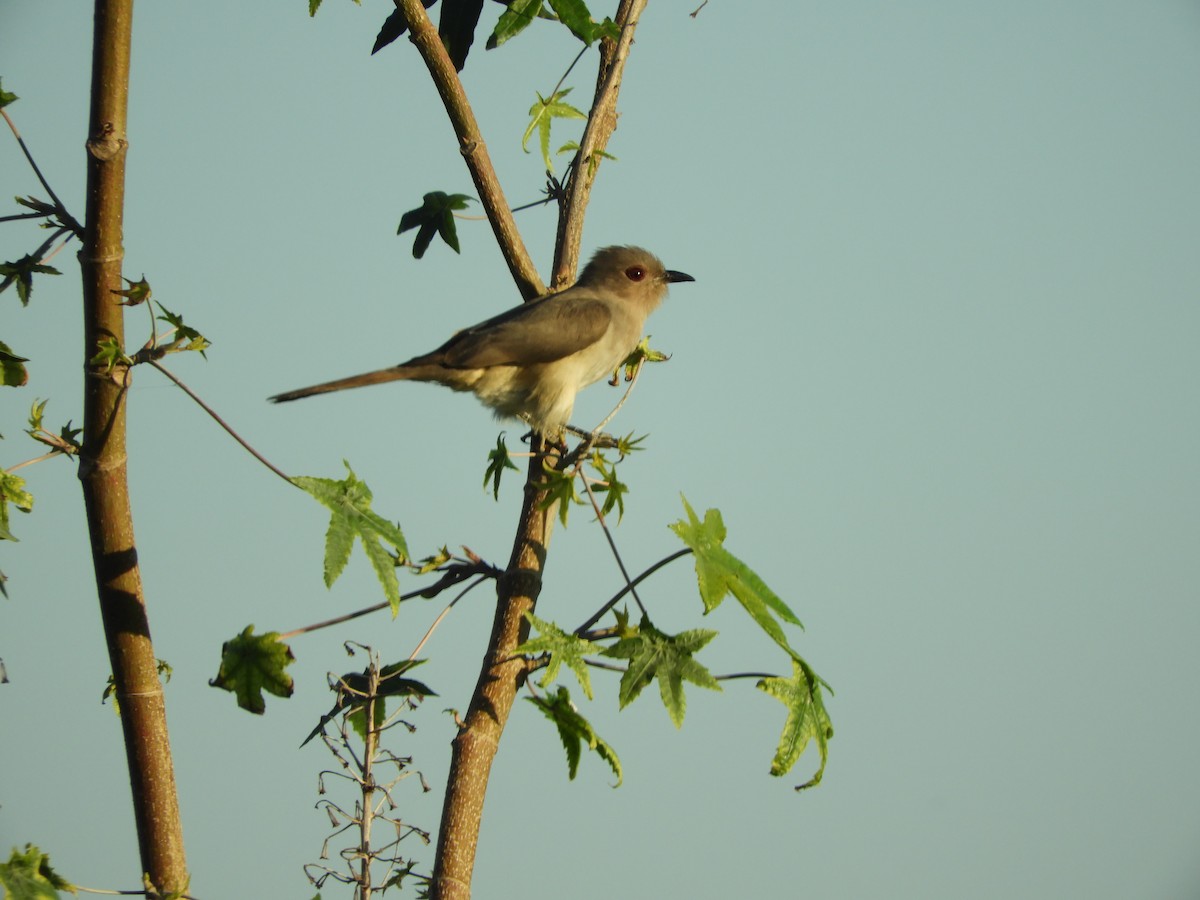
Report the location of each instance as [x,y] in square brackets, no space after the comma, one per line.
[939,371]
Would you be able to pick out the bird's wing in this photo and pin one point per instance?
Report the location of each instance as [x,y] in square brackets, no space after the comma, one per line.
[539,332]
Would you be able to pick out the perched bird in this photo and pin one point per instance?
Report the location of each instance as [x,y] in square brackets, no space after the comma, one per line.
[530,362]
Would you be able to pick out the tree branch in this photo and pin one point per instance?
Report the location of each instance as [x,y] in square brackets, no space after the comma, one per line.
[601,124]
[470,141]
[102,465]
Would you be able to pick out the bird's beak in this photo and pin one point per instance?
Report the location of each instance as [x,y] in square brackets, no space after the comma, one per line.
[673,276]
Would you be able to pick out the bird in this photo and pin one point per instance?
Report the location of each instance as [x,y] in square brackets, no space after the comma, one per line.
[530,362]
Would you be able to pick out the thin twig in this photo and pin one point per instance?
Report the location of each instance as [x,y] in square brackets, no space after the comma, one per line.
[597,664]
[338,620]
[734,675]
[36,459]
[637,370]
[574,62]
[67,218]
[621,593]
[613,545]
[445,612]
[575,457]
[216,418]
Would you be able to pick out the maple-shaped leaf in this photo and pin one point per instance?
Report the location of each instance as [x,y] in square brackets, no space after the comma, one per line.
[252,663]
[184,337]
[613,488]
[27,876]
[642,353]
[719,572]
[21,271]
[667,657]
[109,354]
[137,293]
[564,648]
[541,114]
[806,719]
[349,501]
[515,19]
[12,372]
[435,215]
[573,730]
[498,461]
[559,488]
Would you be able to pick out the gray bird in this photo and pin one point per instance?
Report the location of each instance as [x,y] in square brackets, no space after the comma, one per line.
[530,362]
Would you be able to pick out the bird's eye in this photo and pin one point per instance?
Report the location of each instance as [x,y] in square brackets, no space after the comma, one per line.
[635,273]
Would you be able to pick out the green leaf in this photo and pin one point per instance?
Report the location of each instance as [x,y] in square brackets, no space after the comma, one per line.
[186,337]
[559,488]
[137,293]
[66,441]
[429,564]
[541,115]
[108,354]
[513,21]
[37,413]
[253,663]
[456,28]
[629,444]
[434,216]
[574,14]
[606,30]
[614,490]
[5,97]
[12,373]
[498,461]
[640,354]
[573,730]
[719,572]
[20,272]
[563,647]
[653,654]
[28,876]
[12,490]
[349,501]
[593,160]
[806,719]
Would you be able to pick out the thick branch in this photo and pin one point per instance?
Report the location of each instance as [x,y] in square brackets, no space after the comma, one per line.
[472,147]
[601,124]
[500,678]
[102,465]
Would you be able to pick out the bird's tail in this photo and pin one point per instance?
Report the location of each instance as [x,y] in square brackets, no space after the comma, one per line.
[395,373]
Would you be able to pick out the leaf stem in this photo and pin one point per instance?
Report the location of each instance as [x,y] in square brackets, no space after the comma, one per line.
[621,593]
[216,418]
